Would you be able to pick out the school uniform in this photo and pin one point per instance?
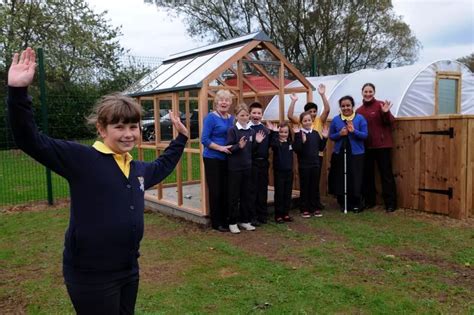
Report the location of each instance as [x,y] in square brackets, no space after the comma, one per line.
[240,173]
[282,174]
[101,247]
[259,182]
[309,166]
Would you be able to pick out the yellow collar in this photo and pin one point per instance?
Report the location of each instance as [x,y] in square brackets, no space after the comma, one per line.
[348,118]
[123,161]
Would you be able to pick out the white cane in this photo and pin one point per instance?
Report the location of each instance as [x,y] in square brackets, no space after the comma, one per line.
[345,181]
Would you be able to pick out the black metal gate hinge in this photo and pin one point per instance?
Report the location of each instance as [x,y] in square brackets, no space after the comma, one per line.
[448,192]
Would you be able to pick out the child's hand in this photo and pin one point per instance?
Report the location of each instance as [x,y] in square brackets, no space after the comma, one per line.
[272,127]
[293,97]
[325,132]
[350,126]
[242,142]
[22,71]
[343,132]
[303,137]
[321,89]
[225,149]
[178,124]
[260,136]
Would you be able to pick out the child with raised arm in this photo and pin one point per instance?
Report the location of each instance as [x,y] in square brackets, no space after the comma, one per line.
[243,140]
[307,145]
[317,124]
[107,187]
[280,142]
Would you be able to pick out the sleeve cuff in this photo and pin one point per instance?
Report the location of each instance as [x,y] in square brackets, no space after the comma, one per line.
[17,92]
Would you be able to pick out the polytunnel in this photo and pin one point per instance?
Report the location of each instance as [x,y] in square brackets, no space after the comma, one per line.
[441,87]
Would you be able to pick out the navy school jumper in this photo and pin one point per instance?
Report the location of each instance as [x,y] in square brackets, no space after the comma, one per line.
[106,217]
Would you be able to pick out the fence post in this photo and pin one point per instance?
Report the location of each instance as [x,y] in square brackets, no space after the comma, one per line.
[44,116]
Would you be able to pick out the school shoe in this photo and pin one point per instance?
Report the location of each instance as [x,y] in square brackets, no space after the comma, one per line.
[287,218]
[256,223]
[306,215]
[390,209]
[247,226]
[279,220]
[317,214]
[234,229]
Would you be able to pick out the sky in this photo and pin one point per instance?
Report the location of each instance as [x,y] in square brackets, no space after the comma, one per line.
[445,28]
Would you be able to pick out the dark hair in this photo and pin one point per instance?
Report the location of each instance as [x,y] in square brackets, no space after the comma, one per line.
[255,105]
[347,97]
[309,106]
[368,84]
[304,114]
[115,108]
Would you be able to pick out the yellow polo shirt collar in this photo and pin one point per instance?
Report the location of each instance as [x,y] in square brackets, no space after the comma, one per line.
[123,161]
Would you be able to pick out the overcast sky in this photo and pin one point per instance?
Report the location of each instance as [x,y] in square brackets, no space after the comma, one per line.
[445,28]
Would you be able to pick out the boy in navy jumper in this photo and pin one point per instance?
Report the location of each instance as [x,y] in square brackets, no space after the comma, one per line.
[101,250]
[308,143]
[280,143]
[259,188]
[243,140]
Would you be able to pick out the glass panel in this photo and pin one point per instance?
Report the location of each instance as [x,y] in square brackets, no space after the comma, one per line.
[183,73]
[155,84]
[138,87]
[199,75]
[447,96]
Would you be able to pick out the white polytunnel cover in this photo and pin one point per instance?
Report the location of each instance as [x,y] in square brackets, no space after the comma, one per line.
[411,89]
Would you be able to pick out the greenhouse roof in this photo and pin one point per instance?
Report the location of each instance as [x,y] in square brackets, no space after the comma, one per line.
[187,70]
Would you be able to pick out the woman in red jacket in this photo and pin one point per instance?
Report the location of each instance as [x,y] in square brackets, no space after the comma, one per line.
[378,145]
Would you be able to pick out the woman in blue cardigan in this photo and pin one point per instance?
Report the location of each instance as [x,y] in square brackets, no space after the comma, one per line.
[348,130]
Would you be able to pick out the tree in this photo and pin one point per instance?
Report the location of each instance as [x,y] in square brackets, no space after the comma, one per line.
[468,61]
[78,43]
[344,36]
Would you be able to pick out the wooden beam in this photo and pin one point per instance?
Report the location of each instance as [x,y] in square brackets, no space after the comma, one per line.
[240,77]
[227,64]
[265,74]
[281,95]
[251,86]
[288,65]
[188,125]
[179,166]
[203,111]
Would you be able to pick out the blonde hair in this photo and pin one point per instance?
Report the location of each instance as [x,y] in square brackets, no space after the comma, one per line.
[222,94]
[115,108]
[241,107]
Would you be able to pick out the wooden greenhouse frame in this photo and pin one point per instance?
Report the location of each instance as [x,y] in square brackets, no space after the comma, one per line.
[197,77]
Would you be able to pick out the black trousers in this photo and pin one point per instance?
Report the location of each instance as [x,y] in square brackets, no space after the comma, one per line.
[239,199]
[283,187]
[259,190]
[116,297]
[217,183]
[308,189]
[383,158]
[318,181]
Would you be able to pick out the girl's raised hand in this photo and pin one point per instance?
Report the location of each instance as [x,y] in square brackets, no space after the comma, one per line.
[325,132]
[22,69]
[178,124]
[242,142]
[271,126]
[343,131]
[259,136]
[386,106]
[293,97]
[303,137]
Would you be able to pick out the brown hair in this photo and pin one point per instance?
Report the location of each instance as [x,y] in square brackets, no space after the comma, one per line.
[115,108]
[241,107]
[368,84]
[304,114]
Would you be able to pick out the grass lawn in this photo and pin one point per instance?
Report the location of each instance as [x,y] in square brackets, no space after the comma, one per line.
[372,263]
[24,180]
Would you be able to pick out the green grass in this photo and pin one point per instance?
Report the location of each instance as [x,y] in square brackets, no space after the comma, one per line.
[371,263]
[24,180]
